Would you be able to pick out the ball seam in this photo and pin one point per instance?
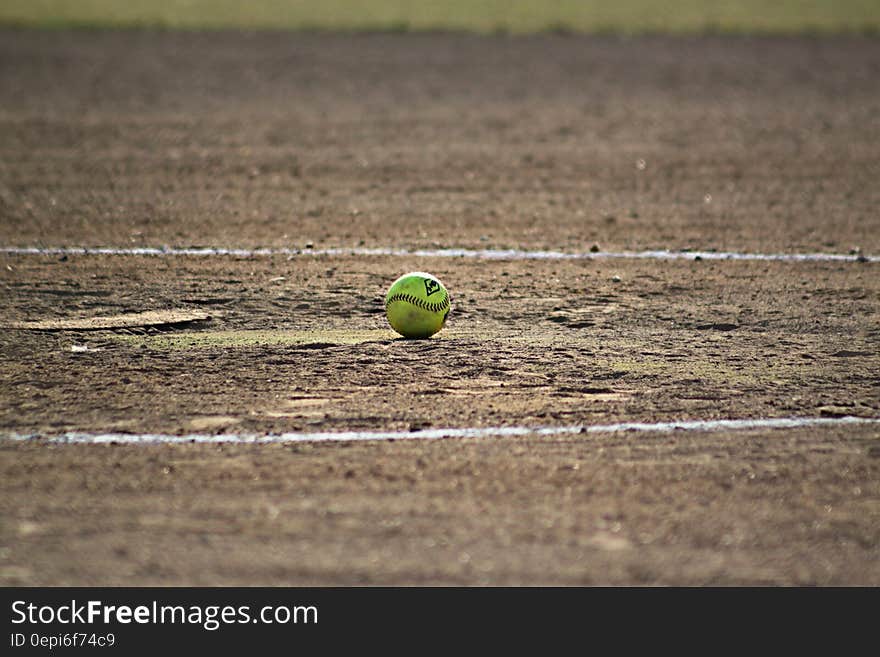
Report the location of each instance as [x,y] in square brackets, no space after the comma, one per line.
[424,305]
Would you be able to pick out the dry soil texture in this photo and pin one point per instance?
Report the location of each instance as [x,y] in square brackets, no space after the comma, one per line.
[438,140]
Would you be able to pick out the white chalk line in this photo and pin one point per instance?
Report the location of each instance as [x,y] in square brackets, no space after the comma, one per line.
[479,254]
[79,438]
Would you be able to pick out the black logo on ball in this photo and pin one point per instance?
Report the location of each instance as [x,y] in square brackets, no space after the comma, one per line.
[431,287]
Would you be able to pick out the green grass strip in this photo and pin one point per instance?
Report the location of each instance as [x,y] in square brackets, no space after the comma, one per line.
[514,16]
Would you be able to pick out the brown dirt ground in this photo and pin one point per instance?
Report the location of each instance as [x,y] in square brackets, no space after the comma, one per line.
[139,138]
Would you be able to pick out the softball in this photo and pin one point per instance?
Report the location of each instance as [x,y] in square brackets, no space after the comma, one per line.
[417,305]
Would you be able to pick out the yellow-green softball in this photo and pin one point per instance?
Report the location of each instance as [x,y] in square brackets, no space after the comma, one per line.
[417,305]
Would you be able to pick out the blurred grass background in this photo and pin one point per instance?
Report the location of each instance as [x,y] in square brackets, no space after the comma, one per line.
[597,16]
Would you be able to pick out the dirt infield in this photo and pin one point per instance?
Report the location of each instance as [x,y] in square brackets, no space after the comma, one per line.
[303,343]
[212,139]
[426,141]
